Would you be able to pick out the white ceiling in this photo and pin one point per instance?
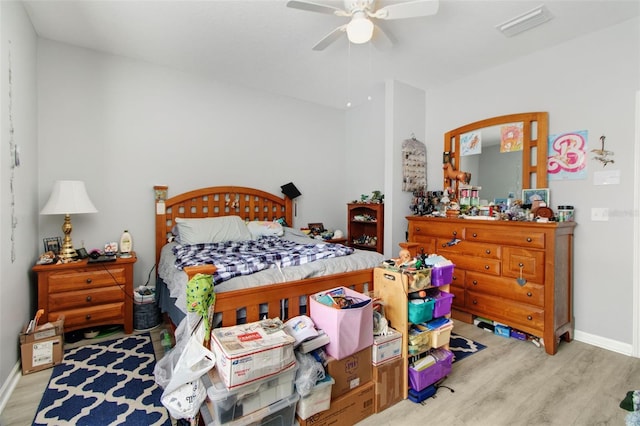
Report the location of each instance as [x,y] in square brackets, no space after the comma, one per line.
[264,44]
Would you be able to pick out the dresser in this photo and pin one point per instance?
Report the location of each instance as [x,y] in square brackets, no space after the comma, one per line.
[87,294]
[516,273]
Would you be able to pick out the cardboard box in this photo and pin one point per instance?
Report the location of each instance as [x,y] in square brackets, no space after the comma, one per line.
[42,348]
[251,352]
[387,380]
[348,409]
[350,372]
[386,348]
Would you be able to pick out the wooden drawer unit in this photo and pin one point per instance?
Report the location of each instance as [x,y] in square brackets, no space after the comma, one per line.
[88,295]
[524,317]
[505,287]
[517,273]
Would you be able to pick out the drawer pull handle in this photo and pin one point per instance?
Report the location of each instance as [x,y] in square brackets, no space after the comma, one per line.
[444,245]
[89,280]
[529,294]
[475,282]
[529,239]
[88,298]
[417,229]
[475,302]
[455,233]
[475,235]
[454,278]
[488,251]
[88,317]
[529,317]
[521,265]
[487,267]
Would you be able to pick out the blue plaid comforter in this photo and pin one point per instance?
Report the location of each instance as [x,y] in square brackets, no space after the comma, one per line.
[247,257]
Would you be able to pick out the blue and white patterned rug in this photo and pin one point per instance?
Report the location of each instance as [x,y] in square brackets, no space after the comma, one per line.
[107,383]
[463,347]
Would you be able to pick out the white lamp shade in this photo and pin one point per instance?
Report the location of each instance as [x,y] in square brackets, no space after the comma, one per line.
[68,197]
[360,29]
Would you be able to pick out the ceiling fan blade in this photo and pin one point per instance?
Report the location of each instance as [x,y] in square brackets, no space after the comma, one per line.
[330,38]
[315,7]
[410,9]
[382,39]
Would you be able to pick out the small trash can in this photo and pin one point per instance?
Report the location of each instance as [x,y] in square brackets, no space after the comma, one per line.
[146,313]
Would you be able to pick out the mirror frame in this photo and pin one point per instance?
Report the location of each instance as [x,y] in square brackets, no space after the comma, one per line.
[529,167]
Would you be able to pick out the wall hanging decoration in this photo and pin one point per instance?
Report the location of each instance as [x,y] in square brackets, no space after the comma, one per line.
[414,165]
[602,154]
[15,161]
[511,137]
[567,156]
[470,143]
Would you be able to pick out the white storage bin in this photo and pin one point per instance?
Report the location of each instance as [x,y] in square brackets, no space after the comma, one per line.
[228,405]
[318,400]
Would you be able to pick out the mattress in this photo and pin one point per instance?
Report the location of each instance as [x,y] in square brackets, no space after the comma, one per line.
[176,280]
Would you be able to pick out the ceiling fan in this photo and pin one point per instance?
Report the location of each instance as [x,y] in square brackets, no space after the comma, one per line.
[360,29]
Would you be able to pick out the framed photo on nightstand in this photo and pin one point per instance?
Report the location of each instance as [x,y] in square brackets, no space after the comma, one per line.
[53,244]
[316,228]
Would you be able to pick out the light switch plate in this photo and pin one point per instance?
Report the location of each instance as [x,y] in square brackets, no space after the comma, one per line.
[599,214]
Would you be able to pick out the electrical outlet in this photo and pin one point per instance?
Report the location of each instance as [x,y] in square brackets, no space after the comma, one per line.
[600,214]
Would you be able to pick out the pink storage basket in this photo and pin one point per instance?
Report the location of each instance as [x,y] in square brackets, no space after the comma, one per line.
[349,330]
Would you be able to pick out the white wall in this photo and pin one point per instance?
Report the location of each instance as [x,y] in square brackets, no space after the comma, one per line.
[19,244]
[586,84]
[405,118]
[122,126]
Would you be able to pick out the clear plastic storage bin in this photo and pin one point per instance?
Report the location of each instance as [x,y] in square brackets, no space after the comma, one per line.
[229,405]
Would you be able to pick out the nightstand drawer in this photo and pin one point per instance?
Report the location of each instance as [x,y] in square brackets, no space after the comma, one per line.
[80,299]
[82,279]
[93,315]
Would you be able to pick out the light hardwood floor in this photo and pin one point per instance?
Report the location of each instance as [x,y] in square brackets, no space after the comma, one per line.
[509,383]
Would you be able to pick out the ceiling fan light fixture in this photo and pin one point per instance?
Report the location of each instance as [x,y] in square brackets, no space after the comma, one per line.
[360,29]
[526,21]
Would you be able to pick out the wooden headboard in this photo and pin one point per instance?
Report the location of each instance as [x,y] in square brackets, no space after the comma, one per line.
[248,203]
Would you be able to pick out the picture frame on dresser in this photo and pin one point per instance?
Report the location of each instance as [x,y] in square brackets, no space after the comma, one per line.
[52,244]
[541,193]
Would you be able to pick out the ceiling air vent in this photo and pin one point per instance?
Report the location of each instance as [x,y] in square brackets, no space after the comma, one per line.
[525,22]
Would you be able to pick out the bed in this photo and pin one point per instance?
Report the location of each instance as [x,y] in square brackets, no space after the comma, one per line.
[272,293]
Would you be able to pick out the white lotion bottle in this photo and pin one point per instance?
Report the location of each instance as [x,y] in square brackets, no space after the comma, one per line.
[126,243]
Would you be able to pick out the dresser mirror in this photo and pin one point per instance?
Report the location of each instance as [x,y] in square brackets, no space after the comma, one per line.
[500,173]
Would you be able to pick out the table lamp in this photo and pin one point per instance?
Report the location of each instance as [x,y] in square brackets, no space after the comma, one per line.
[68,197]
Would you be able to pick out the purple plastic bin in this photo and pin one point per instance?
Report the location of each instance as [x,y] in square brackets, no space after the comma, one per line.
[419,380]
[443,304]
[441,275]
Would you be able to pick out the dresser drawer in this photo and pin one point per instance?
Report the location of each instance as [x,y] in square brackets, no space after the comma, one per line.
[458,296]
[426,244]
[435,229]
[92,315]
[81,279]
[470,263]
[491,251]
[85,298]
[517,237]
[508,288]
[531,262]
[503,310]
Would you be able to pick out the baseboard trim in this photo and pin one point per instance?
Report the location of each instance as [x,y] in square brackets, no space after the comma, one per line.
[9,385]
[604,343]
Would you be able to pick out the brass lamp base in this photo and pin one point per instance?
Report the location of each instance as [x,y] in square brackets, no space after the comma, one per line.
[67,252]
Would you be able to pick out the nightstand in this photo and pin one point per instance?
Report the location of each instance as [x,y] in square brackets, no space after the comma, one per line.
[87,294]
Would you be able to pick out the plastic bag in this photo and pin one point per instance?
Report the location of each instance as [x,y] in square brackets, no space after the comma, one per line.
[180,374]
[309,372]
